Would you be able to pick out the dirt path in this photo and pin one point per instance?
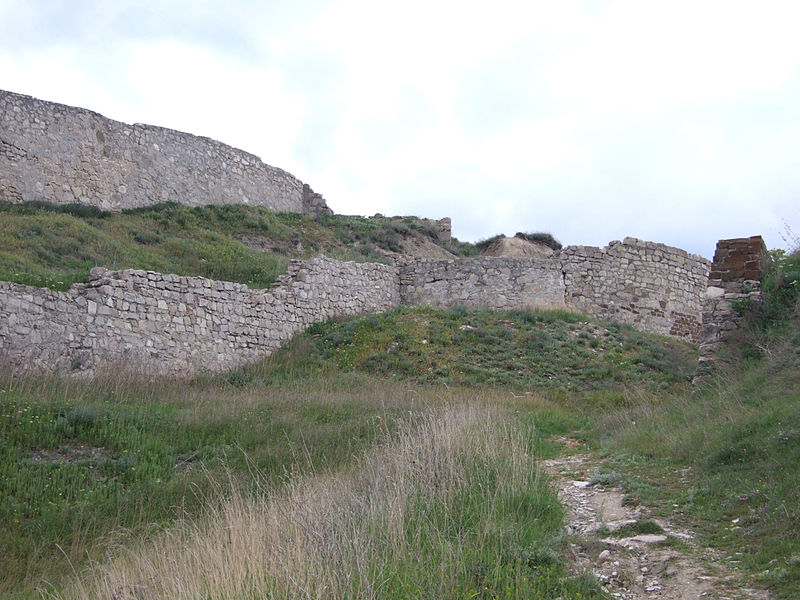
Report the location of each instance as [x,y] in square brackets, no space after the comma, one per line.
[665,565]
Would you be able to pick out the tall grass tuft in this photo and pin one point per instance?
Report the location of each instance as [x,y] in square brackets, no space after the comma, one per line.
[451,506]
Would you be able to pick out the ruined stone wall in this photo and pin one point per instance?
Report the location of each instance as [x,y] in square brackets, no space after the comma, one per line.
[59,154]
[179,326]
[650,286]
[173,325]
[484,282]
[733,284]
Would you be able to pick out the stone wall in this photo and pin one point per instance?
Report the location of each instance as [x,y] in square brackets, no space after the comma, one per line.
[179,326]
[733,284]
[59,154]
[173,325]
[650,286]
[484,282]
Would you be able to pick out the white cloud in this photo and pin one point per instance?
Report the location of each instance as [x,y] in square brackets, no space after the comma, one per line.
[593,119]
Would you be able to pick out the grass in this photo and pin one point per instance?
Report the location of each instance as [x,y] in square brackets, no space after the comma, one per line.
[449,506]
[543,238]
[81,460]
[362,482]
[56,246]
[642,527]
[556,351]
[734,443]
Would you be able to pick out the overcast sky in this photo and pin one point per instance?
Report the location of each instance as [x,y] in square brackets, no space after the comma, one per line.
[672,121]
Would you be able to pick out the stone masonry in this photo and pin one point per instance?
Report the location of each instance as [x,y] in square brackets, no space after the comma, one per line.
[178,326]
[733,284]
[484,282]
[172,325]
[650,286]
[59,154]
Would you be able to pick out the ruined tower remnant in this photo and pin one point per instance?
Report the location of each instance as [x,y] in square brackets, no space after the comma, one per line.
[733,283]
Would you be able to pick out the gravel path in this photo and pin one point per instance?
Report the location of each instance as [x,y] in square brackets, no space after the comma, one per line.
[652,566]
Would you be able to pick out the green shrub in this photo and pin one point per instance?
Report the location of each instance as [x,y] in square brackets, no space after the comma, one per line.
[545,239]
[482,245]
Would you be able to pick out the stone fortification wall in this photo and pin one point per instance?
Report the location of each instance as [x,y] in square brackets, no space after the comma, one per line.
[172,325]
[59,154]
[650,286]
[179,326]
[734,284]
[485,282]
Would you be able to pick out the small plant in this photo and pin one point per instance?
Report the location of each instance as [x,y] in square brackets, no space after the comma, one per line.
[643,527]
[482,245]
[81,416]
[604,476]
[742,306]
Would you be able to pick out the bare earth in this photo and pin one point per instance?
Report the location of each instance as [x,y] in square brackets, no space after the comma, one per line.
[515,247]
[643,566]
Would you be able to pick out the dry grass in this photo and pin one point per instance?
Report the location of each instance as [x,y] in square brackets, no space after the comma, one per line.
[337,536]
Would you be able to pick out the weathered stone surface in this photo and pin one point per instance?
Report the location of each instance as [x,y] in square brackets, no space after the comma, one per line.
[650,286]
[483,282]
[179,326]
[171,325]
[59,154]
[734,285]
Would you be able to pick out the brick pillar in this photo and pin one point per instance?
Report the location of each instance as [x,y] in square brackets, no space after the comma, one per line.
[736,273]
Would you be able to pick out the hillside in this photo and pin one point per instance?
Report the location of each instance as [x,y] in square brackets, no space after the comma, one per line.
[55,246]
[522,351]
[410,454]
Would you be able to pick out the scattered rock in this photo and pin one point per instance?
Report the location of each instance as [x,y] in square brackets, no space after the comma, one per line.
[636,568]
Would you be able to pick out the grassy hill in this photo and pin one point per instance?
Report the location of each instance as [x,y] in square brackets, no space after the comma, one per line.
[554,352]
[386,456]
[55,246]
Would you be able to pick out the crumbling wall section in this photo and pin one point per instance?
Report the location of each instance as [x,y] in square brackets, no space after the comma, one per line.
[734,284]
